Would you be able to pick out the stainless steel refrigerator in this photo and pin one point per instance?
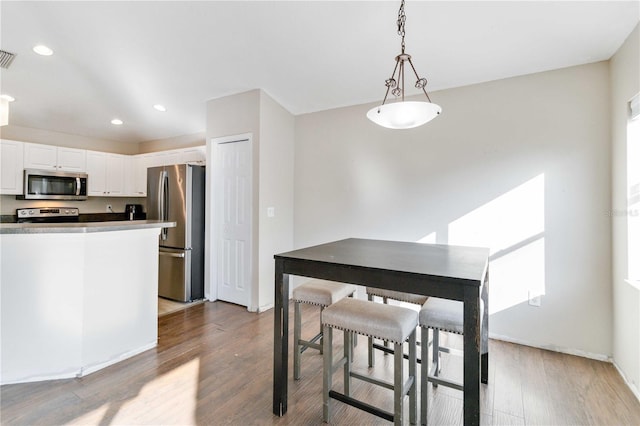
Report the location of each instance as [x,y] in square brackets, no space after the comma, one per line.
[176,193]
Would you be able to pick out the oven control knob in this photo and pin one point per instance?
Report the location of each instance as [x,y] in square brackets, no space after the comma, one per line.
[31,211]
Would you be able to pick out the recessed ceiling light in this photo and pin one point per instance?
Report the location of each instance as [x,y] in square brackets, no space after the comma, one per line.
[7,98]
[159,107]
[43,50]
[116,121]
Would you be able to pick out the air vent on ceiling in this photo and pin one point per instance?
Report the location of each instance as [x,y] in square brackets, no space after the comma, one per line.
[6,58]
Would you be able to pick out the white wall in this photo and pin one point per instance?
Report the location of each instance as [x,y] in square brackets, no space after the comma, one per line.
[520,165]
[276,190]
[50,137]
[272,129]
[184,141]
[9,204]
[625,83]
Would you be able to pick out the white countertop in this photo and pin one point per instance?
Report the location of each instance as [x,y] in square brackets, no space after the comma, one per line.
[81,227]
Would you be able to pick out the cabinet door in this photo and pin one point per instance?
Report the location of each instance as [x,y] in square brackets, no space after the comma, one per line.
[140,165]
[73,160]
[129,176]
[115,175]
[37,156]
[11,167]
[97,173]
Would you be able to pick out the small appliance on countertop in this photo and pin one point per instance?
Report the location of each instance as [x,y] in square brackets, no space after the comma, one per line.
[134,212]
[48,214]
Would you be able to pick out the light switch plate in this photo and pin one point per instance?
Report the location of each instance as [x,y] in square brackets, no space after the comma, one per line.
[271,211]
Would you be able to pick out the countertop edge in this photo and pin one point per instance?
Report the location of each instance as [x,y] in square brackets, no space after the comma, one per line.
[81,227]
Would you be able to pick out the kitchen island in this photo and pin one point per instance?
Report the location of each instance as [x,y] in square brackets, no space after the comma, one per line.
[76,297]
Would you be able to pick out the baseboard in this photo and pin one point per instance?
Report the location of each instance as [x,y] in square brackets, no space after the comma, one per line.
[95,367]
[265,308]
[630,385]
[553,348]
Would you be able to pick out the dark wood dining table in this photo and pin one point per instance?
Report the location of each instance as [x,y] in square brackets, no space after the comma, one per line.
[446,271]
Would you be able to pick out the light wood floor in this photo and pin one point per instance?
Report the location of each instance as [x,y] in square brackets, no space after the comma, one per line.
[213,365]
[166,306]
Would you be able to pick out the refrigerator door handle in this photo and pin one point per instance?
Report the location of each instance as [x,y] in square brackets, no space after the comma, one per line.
[169,254]
[163,204]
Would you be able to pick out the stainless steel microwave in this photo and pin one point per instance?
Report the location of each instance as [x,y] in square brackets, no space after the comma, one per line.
[54,185]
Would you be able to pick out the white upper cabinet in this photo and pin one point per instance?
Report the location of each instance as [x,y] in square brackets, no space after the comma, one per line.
[47,157]
[106,174]
[71,159]
[110,175]
[139,165]
[197,155]
[11,167]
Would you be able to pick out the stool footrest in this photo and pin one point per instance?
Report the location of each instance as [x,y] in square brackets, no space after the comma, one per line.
[448,383]
[390,351]
[339,363]
[451,351]
[361,405]
[369,379]
[306,344]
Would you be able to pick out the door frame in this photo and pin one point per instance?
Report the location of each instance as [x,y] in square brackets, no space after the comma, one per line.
[213,222]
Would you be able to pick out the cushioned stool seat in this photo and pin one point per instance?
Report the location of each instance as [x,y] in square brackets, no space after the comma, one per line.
[417,299]
[395,324]
[320,293]
[385,294]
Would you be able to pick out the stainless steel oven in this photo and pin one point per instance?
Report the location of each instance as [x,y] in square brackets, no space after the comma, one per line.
[48,214]
[54,185]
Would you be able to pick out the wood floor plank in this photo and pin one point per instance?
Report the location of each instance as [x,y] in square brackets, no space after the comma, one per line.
[507,379]
[213,365]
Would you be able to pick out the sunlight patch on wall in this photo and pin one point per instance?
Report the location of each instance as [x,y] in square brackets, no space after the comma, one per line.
[512,226]
[428,239]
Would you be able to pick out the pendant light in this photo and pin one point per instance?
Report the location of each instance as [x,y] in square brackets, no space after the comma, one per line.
[403,114]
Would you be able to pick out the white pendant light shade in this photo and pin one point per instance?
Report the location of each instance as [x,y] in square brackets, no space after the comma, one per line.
[404,115]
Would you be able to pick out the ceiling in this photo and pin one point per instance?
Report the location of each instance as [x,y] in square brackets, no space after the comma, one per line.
[119,58]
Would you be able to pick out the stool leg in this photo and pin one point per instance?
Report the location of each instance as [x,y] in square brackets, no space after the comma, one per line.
[327,368]
[322,335]
[436,354]
[385,300]
[424,374]
[413,394]
[372,357]
[297,325]
[348,354]
[355,335]
[398,384]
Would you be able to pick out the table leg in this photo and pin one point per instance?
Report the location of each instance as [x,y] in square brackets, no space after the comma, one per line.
[484,357]
[472,337]
[280,340]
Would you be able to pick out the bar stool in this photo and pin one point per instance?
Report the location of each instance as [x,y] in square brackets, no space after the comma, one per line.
[319,293]
[400,296]
[395,324]
[438,315]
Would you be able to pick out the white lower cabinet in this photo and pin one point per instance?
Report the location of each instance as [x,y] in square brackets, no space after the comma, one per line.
[106,174]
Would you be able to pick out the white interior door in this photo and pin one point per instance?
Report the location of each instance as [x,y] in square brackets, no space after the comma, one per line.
[233,206]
